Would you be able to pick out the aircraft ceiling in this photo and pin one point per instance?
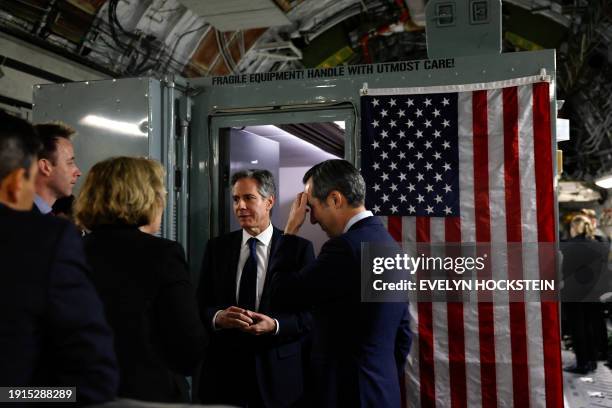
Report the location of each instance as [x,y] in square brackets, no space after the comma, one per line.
[217,37]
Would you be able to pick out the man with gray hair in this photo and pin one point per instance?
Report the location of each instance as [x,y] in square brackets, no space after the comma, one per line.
[359,349]
[254,357]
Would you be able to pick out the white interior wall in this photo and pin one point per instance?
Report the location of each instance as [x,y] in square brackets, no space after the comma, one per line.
[290,184]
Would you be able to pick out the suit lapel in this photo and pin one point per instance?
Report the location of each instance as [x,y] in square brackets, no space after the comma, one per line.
[273,247]
[266,289]
[232,273]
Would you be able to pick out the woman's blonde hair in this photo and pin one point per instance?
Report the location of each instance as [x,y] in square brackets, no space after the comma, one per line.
[121,190]
[583,226]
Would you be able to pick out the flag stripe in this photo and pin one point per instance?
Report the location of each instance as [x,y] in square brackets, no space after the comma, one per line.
[529,236]
[498,254]
[452,229]
[468,234]
[481,167]
[426,345]
[426,366]
[422,229]
[457,355]
[552,355]
[409,229]
[511,165]
[486,329]
[543,163]
[456,335]
[518,324]
[394,225]
[483,234]
[520,369]
[413,370]
[546,233]
[440,321]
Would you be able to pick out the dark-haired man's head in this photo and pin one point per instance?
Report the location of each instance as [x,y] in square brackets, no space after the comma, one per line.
[336,192]
[57,169]
[253,195]
[19,147]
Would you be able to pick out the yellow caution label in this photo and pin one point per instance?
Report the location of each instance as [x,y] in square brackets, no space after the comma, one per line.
[521,42]
[339,57]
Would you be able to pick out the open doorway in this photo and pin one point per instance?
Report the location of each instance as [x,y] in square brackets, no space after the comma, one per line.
[287,151]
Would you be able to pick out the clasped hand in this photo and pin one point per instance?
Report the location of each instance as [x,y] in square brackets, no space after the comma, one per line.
[245,320]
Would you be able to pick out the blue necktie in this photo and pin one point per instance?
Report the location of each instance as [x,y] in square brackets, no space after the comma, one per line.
[248,281]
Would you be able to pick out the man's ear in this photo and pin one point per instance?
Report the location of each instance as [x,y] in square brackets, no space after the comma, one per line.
[271,201]
[336,199]
[45,167]
[12,185]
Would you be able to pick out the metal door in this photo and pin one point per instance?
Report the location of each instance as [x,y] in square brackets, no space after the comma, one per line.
[206,217]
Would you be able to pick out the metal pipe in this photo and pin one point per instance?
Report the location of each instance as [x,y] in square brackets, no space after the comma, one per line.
[183,205]
[45,19]
[169,157]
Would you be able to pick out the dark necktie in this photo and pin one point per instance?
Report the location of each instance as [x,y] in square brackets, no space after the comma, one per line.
[248,280]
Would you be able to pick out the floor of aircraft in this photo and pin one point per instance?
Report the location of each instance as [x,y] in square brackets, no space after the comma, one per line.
[593,390]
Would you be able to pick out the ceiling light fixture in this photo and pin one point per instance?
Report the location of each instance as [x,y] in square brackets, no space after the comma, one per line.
[605,181]
[563,130]
[126,128]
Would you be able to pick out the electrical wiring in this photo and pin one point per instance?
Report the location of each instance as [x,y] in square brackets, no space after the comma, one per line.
[141,68]
[111,23]
[583,80]
[115,20]
[27,3]
[138,48]
[178,40]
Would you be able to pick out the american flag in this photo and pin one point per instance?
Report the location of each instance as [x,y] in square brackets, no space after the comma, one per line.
[411,163]
[471,164]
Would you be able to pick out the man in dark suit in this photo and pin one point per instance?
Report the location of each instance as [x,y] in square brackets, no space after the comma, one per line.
[57,169]
[52,327]
[359,349]
[255,353]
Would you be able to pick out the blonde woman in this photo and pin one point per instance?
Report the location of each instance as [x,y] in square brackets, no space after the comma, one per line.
[584,260]
[143,280]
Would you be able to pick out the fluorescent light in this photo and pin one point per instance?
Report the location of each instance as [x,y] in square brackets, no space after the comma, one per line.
[127,128]
[605,181]
[560,104]
[340,124]
[576,192]
[563,130]
[254,161]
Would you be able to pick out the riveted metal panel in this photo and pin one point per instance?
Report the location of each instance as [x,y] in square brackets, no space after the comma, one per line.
[116,117]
